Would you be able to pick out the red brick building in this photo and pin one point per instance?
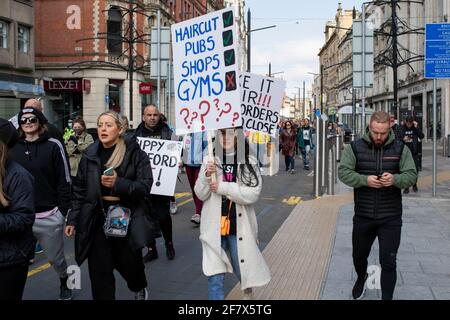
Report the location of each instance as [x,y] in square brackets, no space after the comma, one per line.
[60,27]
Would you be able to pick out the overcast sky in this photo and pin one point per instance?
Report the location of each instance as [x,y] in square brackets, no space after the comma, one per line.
[292,46]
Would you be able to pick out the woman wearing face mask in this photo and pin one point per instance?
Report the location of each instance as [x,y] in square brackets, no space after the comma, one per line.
[16,218]
[231,197]
[95,191]
[77,144]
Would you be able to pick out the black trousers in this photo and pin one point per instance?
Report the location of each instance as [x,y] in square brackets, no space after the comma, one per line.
[388,232]
[12,282]
[107,254]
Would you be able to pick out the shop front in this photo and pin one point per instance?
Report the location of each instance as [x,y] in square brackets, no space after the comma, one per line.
[60,112]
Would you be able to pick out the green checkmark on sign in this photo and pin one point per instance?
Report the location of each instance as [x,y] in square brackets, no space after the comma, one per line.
[227,38]
[227,19]
[230,57]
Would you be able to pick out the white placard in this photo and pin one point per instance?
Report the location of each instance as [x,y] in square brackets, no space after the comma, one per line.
[261,100]
[206,71]
[164,157]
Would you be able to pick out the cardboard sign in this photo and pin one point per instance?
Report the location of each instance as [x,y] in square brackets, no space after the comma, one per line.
[261,100]
[206,70]
[164,157]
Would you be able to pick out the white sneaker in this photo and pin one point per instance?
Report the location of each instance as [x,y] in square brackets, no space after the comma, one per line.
[173,208]
[195,219]
[248,294]
[141,295]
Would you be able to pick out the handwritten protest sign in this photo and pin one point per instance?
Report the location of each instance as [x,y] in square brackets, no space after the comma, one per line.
[164,157]
[261,100]
[205,58]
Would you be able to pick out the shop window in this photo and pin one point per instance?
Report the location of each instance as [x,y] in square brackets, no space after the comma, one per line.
[4,34]
[23,38]
[114,33]
[115,95]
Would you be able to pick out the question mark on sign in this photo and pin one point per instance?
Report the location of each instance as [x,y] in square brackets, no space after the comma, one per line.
[236,116]
[203,115]
[223,111]
[187,116]
[195,116]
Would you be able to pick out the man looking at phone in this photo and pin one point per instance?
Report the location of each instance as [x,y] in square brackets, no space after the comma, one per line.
[377,166]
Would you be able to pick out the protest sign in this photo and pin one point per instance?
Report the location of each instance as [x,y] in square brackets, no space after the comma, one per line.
[164,157]
[261,100]
[205,58]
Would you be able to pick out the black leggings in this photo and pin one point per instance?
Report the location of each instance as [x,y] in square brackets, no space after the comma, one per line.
[388,231]
[166,227]
[107,254]
[12,282]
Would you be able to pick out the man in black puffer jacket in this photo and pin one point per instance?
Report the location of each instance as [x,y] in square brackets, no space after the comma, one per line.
[153,127]
[377,166]
[16,218]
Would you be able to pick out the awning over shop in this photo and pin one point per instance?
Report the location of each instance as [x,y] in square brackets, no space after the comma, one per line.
[348,110]
[24,90]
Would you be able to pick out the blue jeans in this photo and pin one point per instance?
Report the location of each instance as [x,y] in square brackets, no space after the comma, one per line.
[289,162]
[215,282]
[305,155]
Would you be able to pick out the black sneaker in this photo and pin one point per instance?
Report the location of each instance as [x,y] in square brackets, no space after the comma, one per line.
[415,188]
[64,292]
[170,251]
[359,288]
[406,191]
[151,255]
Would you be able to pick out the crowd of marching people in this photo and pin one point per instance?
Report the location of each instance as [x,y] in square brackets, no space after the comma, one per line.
[78,185]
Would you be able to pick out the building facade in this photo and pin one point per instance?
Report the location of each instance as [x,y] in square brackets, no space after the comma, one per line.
[89,31]
[17,63]
[414,91]
[334,62]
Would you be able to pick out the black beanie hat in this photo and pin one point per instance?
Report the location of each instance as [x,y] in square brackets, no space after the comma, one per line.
[8,133]
[42,119]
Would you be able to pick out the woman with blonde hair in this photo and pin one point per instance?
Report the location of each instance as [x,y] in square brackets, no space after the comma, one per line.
[114,175]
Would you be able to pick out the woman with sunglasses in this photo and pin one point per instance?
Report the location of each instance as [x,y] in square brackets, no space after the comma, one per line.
[44,158]
[16,218]
[231,198]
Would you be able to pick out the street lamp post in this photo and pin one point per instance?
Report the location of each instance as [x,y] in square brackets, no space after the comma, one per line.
[249,43]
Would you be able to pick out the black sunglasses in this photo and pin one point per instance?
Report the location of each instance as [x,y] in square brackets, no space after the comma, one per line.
[28,120]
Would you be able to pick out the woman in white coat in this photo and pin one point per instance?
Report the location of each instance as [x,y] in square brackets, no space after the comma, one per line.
[237,188]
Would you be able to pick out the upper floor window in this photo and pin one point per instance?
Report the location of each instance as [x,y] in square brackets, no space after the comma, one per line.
[4,34]
[114,33]
[23,39]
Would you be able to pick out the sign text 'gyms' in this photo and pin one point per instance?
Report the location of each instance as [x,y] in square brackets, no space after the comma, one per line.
[205,73]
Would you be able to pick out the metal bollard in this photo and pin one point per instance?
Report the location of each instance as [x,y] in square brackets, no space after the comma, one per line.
[331,168]
[323,153]
[338,147]
[317,178]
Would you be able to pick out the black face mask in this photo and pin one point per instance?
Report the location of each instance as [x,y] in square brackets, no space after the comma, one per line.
[78,131]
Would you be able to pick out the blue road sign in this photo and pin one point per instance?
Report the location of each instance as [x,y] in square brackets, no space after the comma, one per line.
[437,51]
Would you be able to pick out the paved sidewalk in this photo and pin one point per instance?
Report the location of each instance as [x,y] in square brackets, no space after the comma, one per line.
[424,255]
[310,255]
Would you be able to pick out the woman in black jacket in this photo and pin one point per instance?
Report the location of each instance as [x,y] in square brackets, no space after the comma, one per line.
[16,218]
[94,192]
[43,157]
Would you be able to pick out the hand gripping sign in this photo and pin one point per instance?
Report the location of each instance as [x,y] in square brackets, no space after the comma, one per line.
[206,73]
[164,157]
